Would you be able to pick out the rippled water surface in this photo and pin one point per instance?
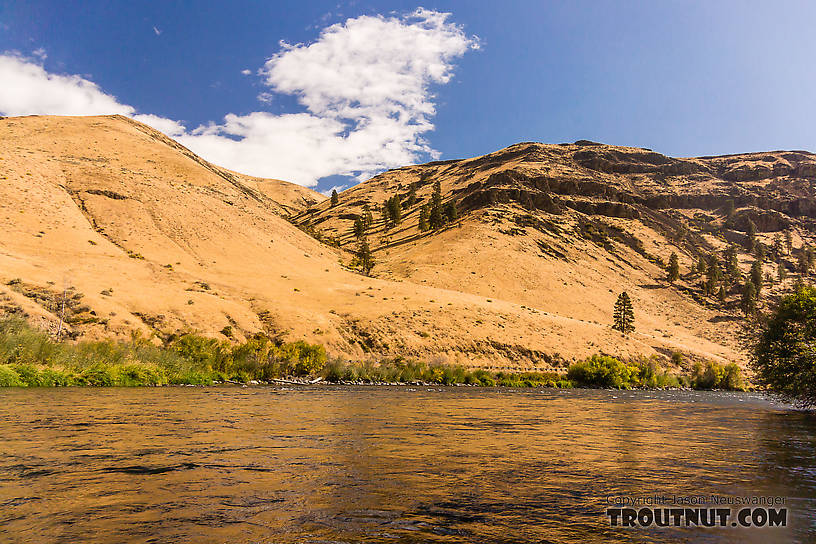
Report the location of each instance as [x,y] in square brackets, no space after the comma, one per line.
[376,464]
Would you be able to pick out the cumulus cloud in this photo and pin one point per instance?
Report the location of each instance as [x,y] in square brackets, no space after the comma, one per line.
[364,85]
[27,89]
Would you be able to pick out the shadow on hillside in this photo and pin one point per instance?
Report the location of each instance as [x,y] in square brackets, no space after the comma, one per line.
[724,318]
[651,286]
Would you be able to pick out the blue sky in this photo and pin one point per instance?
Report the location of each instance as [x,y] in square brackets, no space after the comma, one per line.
[683,78]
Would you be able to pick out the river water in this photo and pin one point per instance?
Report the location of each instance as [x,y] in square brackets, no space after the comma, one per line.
[380,464]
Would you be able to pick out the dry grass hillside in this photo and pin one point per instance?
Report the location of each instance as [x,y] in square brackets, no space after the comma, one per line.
[110,227]
[565,228]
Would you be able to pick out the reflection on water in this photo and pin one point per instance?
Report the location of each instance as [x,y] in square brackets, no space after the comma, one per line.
[342,464]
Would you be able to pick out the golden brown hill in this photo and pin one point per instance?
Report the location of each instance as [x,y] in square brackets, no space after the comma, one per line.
[140,234]
[565,228]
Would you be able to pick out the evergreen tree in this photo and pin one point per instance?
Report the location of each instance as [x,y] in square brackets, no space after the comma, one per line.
[713,274]
[751,241]
[364,260]
[437,216]
[732,271]
[756,277]
[624,315]
[368,218]
[721,294]
[701,266]
[451,214]
[729,214]
[335,198]
[788,242]
[777,246]
[386,215]
[673,271]
[359,228]
[759,251]
[749,298]
[423,218]
[412,197]
[394,210]
[802,261]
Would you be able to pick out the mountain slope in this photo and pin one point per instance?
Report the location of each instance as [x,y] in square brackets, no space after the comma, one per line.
[133,232]
[566,228]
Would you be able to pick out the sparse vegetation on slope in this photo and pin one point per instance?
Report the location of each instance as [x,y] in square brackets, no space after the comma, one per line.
[546,237]
[31,358]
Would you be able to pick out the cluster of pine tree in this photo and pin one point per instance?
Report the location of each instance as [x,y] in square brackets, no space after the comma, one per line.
[436,215]
[721,275]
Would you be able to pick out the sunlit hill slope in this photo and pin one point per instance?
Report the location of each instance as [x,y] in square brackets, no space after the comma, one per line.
[137,233]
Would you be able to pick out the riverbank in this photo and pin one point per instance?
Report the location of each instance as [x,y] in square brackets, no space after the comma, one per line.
[31,358]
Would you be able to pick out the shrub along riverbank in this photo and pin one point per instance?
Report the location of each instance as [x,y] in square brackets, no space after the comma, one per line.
[30,358]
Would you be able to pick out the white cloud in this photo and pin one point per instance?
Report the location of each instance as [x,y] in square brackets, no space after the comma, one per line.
[364,85]
[246,71]
[27,89]
[162,124]
[157,31]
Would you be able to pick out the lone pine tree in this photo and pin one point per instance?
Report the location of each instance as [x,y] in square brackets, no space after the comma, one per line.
[364,260]
[624,315]
[335,198]
[673,272]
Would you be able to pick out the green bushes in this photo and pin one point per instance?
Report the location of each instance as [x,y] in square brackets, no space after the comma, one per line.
[29,357]
[716,376]
[783,355]
[604,371]
[9,378]
[399,370]
[302,358]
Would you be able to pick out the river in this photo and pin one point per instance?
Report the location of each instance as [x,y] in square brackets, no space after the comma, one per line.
[389,464]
